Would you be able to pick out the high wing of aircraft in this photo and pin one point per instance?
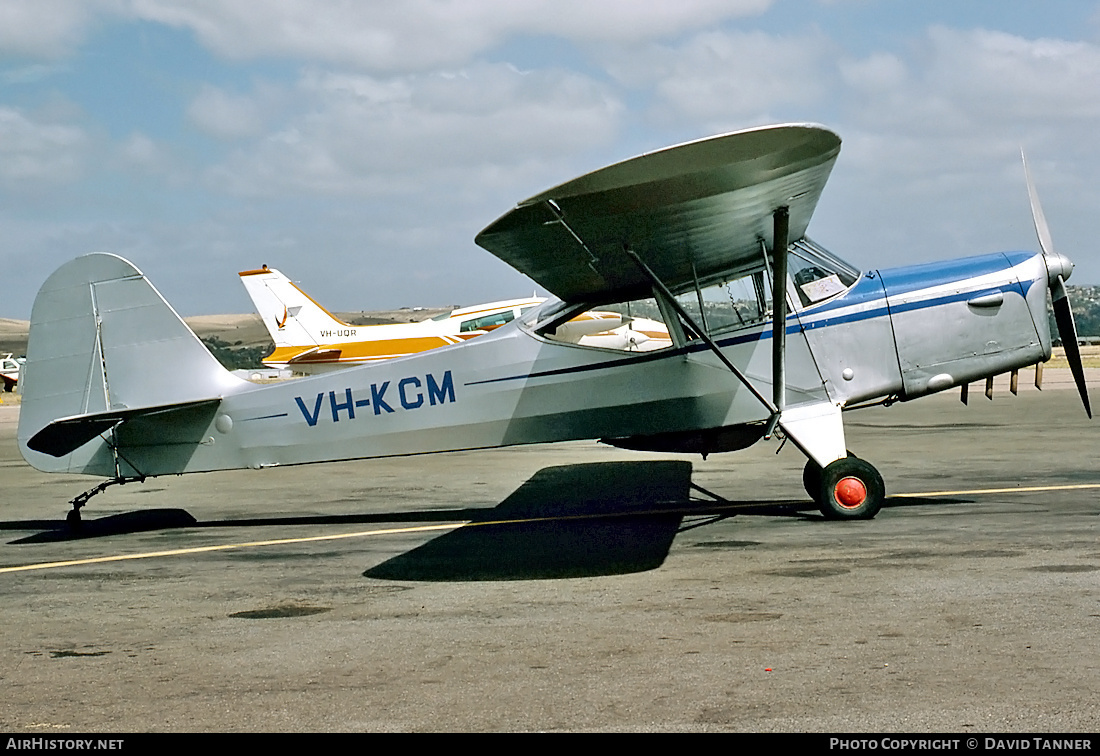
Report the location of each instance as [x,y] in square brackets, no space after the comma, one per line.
[309,339]
[770,335]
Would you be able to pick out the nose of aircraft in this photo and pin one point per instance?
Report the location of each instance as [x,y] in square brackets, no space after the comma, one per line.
[1058,266]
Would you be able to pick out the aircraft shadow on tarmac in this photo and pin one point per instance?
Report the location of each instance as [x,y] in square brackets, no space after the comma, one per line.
[578,520]
[570,521]
[581,520]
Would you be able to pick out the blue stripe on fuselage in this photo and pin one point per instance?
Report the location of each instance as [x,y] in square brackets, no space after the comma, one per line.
[899,281]
[870,288]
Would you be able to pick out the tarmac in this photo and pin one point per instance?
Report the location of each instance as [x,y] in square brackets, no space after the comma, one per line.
[573,587]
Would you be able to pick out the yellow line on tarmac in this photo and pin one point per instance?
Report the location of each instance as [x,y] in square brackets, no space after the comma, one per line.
[456,525]
[978,491]
[228,546]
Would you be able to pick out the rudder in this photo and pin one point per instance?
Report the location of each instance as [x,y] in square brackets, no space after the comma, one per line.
[105,347]
[292,317]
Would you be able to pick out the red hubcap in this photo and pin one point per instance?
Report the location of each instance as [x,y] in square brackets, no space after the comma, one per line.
[850,492]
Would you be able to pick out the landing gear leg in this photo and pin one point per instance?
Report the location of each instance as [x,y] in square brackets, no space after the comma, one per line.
[847,489]
[73,517]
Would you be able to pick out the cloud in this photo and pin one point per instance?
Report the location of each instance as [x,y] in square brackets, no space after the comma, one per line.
[958,81]
[421,35]
[932,135]
[47,29]
[227,116]
[377,131]
[142,153]
[876,75]
[370,136]
[998,75]
[34,151]
[721,79]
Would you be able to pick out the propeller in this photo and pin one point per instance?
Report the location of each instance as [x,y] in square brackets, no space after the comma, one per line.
[1059,268]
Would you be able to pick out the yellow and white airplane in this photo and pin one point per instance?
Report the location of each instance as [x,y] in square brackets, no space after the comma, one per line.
[310,339]
[9,371]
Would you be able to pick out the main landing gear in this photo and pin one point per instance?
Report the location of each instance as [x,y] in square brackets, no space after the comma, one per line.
[847,489]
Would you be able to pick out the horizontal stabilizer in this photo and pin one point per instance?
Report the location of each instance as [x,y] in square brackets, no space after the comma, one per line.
[68,434]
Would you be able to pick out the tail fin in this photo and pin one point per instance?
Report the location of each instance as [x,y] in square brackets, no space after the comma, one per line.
[292,318]
[105,348]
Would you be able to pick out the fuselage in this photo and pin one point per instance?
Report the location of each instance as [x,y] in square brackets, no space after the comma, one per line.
[898,333]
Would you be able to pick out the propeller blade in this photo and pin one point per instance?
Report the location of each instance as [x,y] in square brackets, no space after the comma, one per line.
[1042,230]
[1067,331]
[1059,268]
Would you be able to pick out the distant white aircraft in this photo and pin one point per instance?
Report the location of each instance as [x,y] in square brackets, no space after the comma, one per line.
[310,339]
[770,335]
[9,371]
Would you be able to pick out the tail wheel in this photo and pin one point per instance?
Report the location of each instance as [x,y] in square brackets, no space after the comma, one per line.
[850,489]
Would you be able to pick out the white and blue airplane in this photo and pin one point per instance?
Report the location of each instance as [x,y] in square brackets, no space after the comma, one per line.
[771,336]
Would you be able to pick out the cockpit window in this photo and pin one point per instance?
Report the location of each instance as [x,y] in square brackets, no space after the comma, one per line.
[641,328]
[730,304]
[816,274]
[487,322]
[734,300]
[634,326]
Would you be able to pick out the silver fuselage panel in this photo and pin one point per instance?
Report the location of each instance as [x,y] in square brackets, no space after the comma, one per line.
[894,333]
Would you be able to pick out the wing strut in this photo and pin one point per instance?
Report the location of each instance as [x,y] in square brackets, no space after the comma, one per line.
[781,219]
[556,210]
[773,418]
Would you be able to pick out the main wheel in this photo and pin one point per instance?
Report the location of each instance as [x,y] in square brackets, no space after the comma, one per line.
[811,478]
[850,489]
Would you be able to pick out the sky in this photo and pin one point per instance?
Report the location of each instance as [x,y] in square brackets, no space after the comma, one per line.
[360,146]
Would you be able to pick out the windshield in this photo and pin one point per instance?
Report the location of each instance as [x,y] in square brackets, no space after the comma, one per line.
[816,273]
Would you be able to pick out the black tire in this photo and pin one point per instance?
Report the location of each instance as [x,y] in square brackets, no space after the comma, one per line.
[850,489]
[811,479]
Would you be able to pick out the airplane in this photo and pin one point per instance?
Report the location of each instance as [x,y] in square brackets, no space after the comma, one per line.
[9,371]
[309,339]
[773,337]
